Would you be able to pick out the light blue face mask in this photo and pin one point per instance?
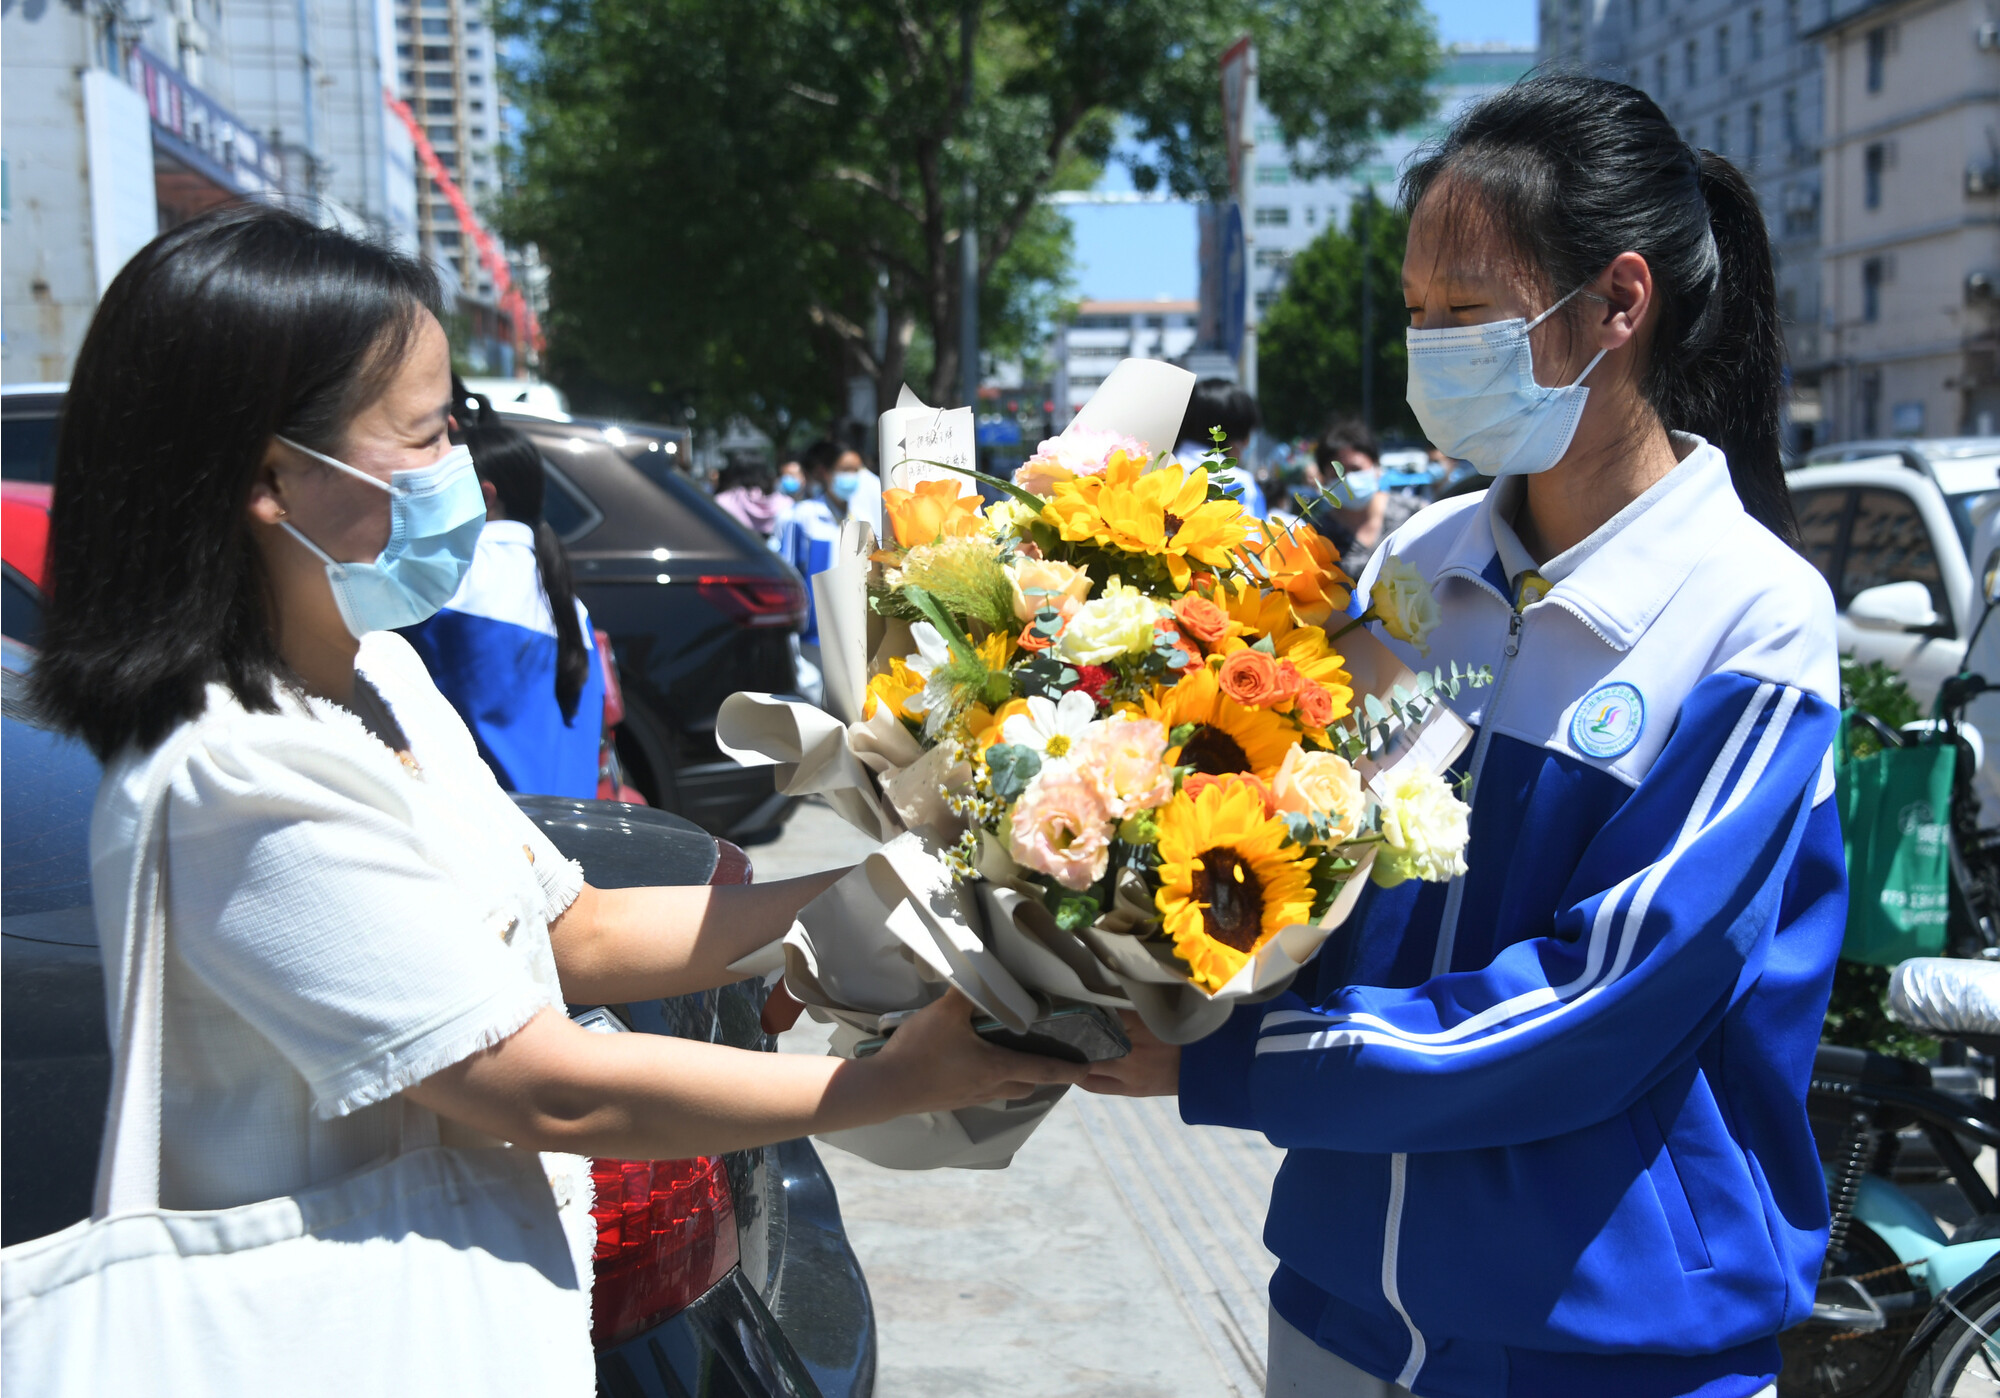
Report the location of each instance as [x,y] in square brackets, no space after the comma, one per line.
[1473,390]
[845,484]
[791,485]
[435,515]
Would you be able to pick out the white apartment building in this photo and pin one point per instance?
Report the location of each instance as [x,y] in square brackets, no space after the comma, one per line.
[1910,262]
[1286,213]
[1090,344]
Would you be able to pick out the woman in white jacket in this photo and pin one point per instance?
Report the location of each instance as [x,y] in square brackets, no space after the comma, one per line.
[253,487]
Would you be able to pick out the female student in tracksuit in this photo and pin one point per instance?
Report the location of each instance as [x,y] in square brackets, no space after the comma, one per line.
[513,650]
[1546,1123]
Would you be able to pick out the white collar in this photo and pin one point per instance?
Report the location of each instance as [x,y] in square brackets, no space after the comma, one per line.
[507,531]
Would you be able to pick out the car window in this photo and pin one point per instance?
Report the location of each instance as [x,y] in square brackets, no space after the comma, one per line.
[28,448]
[1822,521]
[565,507]
[1886,543]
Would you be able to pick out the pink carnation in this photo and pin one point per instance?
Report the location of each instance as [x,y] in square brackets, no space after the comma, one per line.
[1074,453]
[1125,758]
[1061,829]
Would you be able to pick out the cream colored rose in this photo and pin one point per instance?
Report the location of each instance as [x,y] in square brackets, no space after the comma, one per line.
[1320,783]
[1009,518]
[1104,628]
[1403,601]
[1424,830]
[1039,583]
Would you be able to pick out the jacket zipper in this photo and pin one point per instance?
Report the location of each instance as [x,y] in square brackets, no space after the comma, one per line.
[1448,923]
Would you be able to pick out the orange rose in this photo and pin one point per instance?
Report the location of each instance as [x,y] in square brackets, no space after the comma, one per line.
[1315,704]
[1200,781]
[1290,681]
[934,510]
[1202,619]
[1251,678]
[1303,564]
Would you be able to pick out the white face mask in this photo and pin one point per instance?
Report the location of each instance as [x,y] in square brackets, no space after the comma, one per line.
[1473,390]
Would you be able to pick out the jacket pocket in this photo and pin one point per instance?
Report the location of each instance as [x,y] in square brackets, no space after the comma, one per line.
[1691,1247]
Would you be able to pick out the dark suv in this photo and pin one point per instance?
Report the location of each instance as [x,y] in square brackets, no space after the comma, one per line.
[726,1277]
[696,606]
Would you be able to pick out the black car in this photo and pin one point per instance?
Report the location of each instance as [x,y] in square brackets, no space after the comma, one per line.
[696,606]
[727,1278]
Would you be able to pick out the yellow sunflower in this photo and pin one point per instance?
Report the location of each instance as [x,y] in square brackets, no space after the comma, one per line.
[892,688]
[1313,655]
[1165,513]
[1228,882]
[1228,737]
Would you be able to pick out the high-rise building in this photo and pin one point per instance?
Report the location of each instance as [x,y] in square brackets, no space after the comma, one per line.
[449,74]
[1910,259]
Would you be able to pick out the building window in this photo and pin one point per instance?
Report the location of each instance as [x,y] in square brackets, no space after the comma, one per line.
[439,133]
[473,26]
[1869,401]
[1693,55]
[1753,132]
[1873,161]
[475,80]
[475,105]
[1273,257]
[1722,49]
[1756,35]
[405,52]
[1660,77]
[474,54]
[1873,274]
[437,80]
[1274,174]
[477,133]
[1722,134]
[437,106]
[409,78]
[402,24]
[436,54]
[1272,216]
[1878,55]
[437,26]
[1265,299]
[1268,131]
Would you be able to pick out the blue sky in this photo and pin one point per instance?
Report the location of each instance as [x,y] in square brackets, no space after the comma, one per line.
[1139,251]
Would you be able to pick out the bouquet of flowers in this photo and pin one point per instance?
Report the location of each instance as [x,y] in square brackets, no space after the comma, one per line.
[1142,754]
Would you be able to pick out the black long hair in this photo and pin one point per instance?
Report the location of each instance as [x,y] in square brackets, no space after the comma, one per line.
[1575,170]
[241,325]
[509,458]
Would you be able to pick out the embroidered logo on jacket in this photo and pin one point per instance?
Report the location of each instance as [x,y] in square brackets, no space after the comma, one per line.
[1607,722]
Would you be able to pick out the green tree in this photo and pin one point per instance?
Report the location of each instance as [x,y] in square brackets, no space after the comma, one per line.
[742,202]
[1309,341]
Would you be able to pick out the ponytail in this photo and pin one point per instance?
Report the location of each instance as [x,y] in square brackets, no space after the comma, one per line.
[1729,371]
[572,659]
[1574,170]
[509,459]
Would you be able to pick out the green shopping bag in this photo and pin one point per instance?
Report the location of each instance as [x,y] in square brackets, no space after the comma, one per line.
[1894,811]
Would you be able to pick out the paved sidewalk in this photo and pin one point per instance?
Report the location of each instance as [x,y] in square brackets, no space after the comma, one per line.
[1117,1257]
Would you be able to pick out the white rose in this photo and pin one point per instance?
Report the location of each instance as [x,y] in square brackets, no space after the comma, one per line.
[1320,783]
[1104,628]
[1424,830]
[1404,603]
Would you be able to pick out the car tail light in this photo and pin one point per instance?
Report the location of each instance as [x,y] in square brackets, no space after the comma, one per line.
[666,1233]
[614,692]
[756,601]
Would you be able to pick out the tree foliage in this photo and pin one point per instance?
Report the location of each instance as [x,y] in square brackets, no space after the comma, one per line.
[743,202]
[1309,341]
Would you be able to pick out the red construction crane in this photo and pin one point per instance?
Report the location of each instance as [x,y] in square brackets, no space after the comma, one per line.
[527,326]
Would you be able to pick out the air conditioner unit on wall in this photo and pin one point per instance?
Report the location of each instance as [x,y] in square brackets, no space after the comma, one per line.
[1982,179]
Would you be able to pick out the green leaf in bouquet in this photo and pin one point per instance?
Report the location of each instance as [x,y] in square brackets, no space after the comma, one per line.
[1048,624]
[1047,675]
[1266,645]
[1010,767]
[1300,828]
[936,616]
[1178,735]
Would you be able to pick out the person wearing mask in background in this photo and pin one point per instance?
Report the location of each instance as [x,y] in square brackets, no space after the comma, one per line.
[1221,403]
[513,649]
[807,533]
[1355,512]
[1546,1123]
[744,490]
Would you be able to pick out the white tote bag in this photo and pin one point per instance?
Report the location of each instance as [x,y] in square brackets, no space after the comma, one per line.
[432,1271]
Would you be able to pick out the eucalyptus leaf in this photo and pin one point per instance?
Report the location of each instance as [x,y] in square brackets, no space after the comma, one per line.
[1010,767]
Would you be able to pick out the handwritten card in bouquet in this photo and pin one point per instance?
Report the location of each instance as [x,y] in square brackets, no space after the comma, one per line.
[918,442]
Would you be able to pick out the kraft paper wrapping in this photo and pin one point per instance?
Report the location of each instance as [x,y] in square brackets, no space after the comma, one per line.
[840,603]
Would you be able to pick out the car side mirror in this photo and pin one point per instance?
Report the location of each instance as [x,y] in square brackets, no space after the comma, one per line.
[1896,606]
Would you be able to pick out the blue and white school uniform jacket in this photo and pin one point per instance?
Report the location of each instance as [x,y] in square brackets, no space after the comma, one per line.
[1546,1124]
[805,538]
[492,652]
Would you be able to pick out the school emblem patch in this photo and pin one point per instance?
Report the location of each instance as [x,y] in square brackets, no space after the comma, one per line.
[1608,721]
